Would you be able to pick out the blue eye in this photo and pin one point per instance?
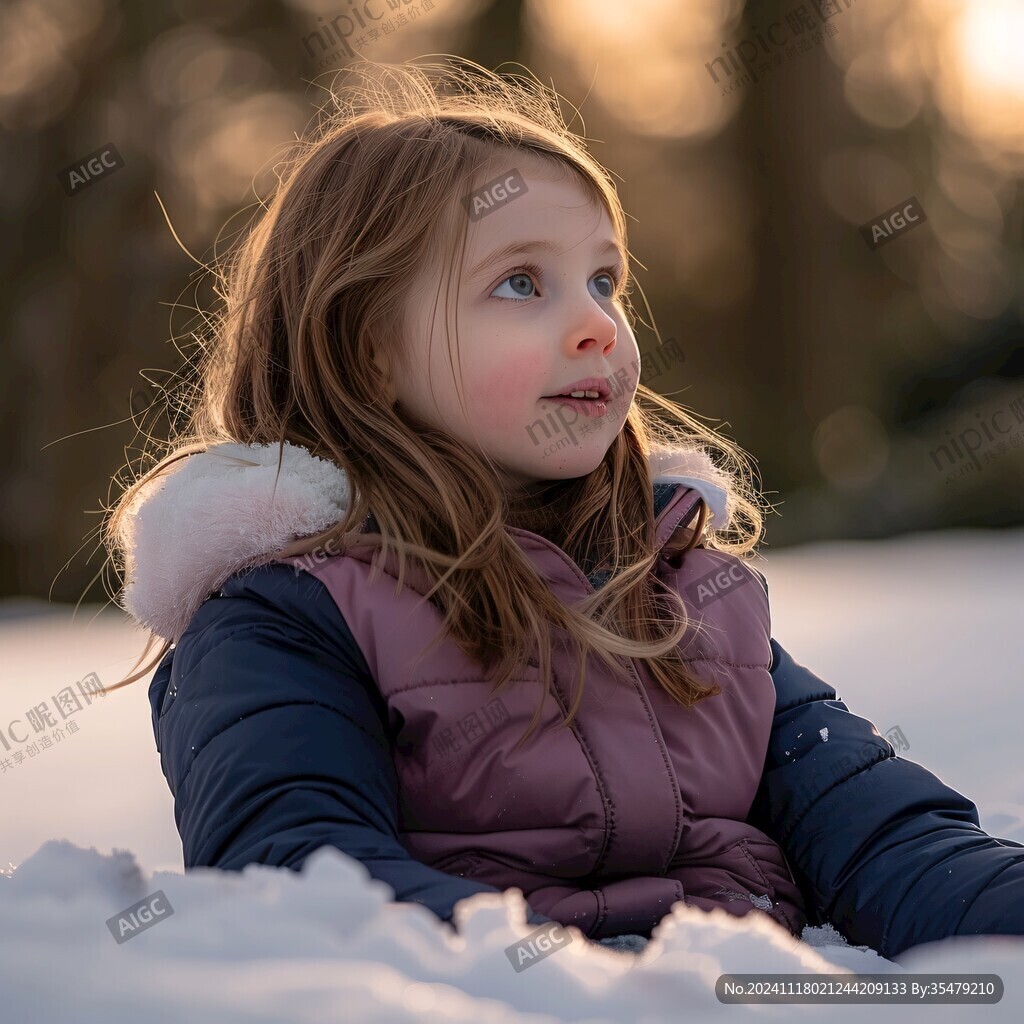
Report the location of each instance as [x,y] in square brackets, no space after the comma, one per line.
[518,279]
[522,279]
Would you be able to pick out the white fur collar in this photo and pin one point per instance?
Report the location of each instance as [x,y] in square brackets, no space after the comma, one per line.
[217,512]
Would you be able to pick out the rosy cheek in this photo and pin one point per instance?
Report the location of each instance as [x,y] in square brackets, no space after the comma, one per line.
[509,381]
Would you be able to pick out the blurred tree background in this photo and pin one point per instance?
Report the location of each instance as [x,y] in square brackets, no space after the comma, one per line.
[878,387]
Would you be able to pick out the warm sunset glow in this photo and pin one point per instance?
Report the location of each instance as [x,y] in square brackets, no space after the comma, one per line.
[666,93]
[983,95]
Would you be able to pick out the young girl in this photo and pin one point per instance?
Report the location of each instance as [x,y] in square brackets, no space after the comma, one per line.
[420,606]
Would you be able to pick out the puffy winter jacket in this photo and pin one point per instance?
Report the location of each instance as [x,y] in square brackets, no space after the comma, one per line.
[295,711]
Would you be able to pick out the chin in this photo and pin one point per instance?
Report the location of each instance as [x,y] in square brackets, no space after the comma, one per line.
[573,468]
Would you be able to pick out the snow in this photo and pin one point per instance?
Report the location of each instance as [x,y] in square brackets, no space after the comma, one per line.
[922,634]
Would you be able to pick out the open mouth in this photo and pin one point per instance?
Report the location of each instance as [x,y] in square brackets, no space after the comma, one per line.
[580,396]
[586,389]
[587,396]
[589,407]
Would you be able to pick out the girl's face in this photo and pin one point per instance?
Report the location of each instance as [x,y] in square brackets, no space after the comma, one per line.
[531,324]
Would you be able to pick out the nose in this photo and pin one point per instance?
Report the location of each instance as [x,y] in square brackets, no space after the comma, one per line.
[596,334]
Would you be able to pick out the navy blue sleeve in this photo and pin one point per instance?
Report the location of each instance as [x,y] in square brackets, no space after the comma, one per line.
[890,855]
[273,739]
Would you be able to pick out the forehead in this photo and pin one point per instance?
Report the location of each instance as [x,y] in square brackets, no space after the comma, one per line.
[550,205]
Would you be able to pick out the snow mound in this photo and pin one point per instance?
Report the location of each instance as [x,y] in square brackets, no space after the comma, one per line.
[327,943]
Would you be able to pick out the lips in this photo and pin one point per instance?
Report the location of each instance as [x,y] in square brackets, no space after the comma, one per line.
[598,384]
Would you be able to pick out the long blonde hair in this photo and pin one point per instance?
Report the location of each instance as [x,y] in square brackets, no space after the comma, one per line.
[312,324]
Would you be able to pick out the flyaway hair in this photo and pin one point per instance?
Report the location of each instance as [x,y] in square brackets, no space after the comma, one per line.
[301,351]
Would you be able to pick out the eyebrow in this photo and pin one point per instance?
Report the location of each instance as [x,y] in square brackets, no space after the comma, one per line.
[522,248]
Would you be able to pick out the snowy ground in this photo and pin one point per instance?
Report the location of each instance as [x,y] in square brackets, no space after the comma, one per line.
[922,632]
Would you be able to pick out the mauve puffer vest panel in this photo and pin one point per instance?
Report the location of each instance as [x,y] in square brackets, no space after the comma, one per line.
[639,804]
